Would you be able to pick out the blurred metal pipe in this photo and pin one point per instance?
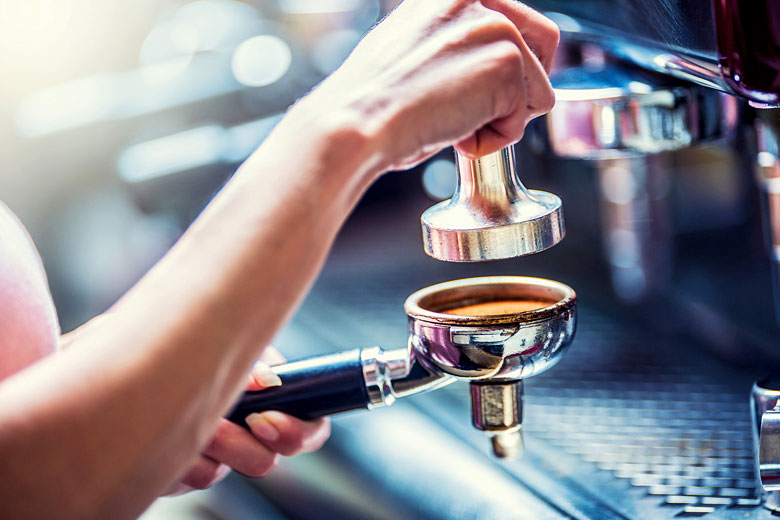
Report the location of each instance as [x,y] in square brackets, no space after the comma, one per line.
[767,172]
[625,118]
[635,218]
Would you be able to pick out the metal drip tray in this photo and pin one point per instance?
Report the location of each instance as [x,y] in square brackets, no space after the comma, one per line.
[627,425]
[672,424]
[631,424]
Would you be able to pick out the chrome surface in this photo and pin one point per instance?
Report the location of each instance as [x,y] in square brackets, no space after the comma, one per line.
[636,224]
[627,119]
[503,348]
[392,374]
[669,58]
[767,171]
[507,444]
[498,350]
[495,351]
[613,111]
[380,367]
[492,215]
[769,450]
[420,379]
[630,425]
[765,414]
[497,408]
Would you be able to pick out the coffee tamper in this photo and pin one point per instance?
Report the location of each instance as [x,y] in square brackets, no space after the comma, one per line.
[491,216]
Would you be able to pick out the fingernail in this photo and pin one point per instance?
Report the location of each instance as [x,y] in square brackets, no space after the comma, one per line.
[262,427]
[264,375]
[223,470]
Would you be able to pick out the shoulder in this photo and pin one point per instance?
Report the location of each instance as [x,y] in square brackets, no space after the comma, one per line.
[28,321]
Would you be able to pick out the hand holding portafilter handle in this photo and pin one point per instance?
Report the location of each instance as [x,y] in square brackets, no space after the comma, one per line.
[333,383]
[495,353]
[357,379]
[311,388]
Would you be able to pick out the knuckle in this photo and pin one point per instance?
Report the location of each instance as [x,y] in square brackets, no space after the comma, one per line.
[499,24]
[552,31]
[261,466]
[294,444]
[201,479]
[548,99]
[213,445]
[542,101]
[541,104]
[507,57]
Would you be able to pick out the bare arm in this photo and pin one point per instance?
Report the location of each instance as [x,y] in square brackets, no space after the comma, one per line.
[109,423]
[135,397]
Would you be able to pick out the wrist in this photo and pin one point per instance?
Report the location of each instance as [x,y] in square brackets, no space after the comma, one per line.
[348,137]
[325,156]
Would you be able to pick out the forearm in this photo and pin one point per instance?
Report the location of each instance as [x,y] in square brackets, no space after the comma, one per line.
[134,397]
[106,424]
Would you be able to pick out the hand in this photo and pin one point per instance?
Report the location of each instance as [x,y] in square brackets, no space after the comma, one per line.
[253,454]
[440,72]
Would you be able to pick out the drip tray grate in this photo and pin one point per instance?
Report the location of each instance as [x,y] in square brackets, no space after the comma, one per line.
[655,417]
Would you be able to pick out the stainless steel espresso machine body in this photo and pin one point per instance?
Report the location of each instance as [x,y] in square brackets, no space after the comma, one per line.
[621,105]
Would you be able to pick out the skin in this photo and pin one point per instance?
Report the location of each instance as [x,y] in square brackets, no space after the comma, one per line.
[133,405]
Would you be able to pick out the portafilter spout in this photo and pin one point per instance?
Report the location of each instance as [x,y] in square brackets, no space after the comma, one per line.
[492,331]
[492,215]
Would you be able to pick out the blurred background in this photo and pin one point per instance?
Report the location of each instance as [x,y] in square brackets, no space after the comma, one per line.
[98,99]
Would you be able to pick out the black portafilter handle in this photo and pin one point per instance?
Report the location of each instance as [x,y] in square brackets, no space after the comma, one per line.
[311,388]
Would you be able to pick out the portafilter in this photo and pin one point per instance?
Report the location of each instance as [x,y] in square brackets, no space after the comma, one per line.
[491,331]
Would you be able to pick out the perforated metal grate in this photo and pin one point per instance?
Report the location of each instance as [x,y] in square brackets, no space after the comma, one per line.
[652,415]
[671,422]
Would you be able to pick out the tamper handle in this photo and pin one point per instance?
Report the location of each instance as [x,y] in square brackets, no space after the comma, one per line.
[311,388]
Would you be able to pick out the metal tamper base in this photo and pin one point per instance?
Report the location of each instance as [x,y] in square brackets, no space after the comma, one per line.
[491,216]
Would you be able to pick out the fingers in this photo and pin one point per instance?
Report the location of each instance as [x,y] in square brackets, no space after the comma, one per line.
[521,72]
[536,99]
[205,472]
[255,454]
[239,449]
[287,435]
[177,489]
[262,376]
[541,33]
[272,356]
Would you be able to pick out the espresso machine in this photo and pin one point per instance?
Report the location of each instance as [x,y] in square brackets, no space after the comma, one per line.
[651,419]
[648,415]
[662,150]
